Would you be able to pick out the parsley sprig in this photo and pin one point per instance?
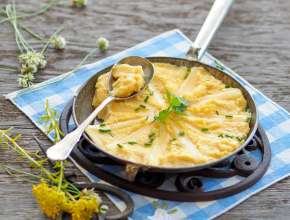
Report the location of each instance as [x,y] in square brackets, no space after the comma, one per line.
[176,105]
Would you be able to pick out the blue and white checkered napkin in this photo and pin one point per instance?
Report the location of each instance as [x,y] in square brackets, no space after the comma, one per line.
[273,118]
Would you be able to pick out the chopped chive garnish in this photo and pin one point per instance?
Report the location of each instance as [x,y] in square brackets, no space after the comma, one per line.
[104,130]
[102,125]
[240,139]
[120,145]
[146,99]
[151,138]
[181,133]
[151,135]
[147,117]
[148,144]
[204,129]
[227,86]
[140,107]
[229,136]
[172,140]
[151,93]
[217,112]
[228,116]
[221,135]
[132,142]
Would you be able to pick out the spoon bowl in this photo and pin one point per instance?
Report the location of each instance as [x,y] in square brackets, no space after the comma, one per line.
[147,68]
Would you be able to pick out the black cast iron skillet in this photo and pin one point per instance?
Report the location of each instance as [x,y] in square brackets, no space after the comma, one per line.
[82,107]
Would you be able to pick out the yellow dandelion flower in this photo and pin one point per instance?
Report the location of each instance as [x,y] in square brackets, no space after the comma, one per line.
[49,199]
[85,207]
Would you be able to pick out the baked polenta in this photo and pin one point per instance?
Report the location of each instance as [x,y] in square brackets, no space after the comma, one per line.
[204,121]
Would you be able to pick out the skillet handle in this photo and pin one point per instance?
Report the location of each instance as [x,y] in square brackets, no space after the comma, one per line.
[208,29]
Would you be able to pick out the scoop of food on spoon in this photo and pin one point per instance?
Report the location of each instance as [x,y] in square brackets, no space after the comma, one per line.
[127,79]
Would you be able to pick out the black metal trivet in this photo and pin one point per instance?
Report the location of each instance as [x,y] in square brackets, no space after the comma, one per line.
[187,187]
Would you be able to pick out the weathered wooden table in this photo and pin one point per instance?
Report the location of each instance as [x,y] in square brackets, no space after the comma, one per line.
[253,40]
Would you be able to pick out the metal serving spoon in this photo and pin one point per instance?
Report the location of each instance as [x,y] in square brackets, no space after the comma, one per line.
[62,149]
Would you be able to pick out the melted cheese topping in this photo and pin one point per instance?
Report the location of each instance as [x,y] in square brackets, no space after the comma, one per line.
[214,124]
[128,79]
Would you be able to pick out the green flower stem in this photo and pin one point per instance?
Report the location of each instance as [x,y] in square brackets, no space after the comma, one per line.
[32,33]
[20,41]
[93,51]
[7,168]
[48,41]
[60,176]
[25,154]
[8,68]
[42,10]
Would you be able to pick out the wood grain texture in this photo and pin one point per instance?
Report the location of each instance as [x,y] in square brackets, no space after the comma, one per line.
[254,41]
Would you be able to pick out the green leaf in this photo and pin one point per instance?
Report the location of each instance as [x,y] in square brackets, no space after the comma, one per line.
[120,145]
[104,130]
[181,133]
[164,205]
[162,115]
[146,99]
[176,105]
[155,204]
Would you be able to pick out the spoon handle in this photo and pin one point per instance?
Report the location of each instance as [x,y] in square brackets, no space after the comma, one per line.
[62,149]
[209,27]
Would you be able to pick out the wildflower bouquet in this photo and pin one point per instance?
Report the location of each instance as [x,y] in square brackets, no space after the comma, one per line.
[52,191]
[30,60]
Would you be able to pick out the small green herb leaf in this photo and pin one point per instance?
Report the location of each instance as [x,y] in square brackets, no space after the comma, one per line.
[146,99]
[120,145]
[204,129]
[176,105]
[132,142]
[104,130]
[155,204]
[172,140]
[181,133]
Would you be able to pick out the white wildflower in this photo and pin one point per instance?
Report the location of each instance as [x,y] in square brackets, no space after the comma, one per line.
[79,3]
[58,42]
[25,80]
[102,44]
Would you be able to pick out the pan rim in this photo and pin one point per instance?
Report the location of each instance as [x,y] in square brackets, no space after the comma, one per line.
[177,169]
